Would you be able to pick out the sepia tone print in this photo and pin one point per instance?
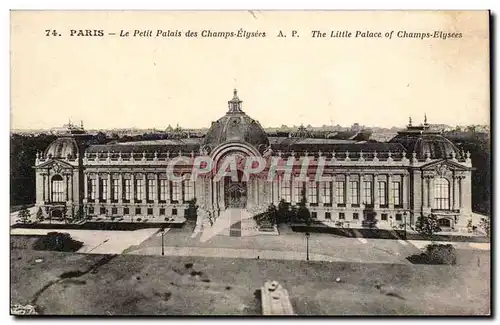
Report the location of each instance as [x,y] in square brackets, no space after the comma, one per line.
[313,169]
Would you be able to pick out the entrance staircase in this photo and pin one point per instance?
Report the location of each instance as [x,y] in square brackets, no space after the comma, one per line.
[234,222]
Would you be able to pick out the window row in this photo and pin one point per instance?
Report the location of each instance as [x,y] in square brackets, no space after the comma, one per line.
[142,190]
[126,211]
[324,190]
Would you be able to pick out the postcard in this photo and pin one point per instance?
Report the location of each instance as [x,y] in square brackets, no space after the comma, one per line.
[265,163]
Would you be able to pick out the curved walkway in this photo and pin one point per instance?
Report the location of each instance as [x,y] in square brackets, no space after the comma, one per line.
[245,253]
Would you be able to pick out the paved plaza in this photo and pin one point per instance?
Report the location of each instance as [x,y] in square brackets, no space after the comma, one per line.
[288,245]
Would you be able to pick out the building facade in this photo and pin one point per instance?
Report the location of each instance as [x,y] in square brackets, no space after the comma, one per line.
[418,172]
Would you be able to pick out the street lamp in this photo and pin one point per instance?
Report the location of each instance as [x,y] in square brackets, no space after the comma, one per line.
[307,245]
[162,248]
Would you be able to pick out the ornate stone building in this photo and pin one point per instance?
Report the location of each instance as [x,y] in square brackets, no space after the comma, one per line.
[417,172]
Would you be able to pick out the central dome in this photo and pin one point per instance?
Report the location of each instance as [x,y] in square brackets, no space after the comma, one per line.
[236,126]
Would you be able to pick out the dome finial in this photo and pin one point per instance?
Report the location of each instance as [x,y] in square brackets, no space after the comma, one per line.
[425,118]
[409,121]
[235,103]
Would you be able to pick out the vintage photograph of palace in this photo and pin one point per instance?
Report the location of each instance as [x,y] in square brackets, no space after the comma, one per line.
[269,176]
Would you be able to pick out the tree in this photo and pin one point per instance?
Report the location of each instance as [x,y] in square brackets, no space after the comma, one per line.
[283,212]
[484,223]
[271,214]
[24,215]
[80,214]
[427,225]
[64,213]
[39,215]
[303,213]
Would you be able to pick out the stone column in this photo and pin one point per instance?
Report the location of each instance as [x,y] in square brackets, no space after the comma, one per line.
[389,192]
[210,193]
[109,189]
[65,187]
[70,185]
[156,189]
[431,193]
[334,192]
[167,192]
[456,193]
[215,194]
[404,184]
[221,195]
[307,186]
[425,192]
[361,190]
[347,190]
[132,189]
[120,189]
[97,188]
[319,191]
[85,186]
[275,185]
[461,190]
[145,188]
[49,192]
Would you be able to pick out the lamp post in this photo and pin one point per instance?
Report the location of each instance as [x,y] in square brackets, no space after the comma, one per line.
[162,248]
[307,246]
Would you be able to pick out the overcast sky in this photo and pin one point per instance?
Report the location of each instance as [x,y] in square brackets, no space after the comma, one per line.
[113,82]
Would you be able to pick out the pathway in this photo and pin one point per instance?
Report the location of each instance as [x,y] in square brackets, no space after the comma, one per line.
[97,241]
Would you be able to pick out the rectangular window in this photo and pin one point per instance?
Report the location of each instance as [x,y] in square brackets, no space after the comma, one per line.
[91,210]
[137,211]
[57,189]
[340,192]
[104,189]
[286,190]
[102,210]
[299,191]
[114,211]
[326,192]
[399,217]
[384,216]
[314,215]
[163,190]
[354,192]
[151,190]
[126,211]
[328,215]
[126,189]
[382,193]
[396,193]
[341,215]
[93,189]
[162,211]
[174,212]
[139,189]
[313,193]
[188,190]
[367,193]
[355,216]
[114,189]
[150,211]
[175,192]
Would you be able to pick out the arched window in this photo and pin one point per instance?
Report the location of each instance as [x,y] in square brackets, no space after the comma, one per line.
[441,194]
[57,189]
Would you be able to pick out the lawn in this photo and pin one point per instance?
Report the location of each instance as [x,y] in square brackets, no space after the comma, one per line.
[81,284]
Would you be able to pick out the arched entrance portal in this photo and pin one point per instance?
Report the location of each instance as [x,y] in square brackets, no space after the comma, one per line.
[235,192]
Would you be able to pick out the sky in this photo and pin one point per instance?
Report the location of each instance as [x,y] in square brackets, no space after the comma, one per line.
[150,82]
